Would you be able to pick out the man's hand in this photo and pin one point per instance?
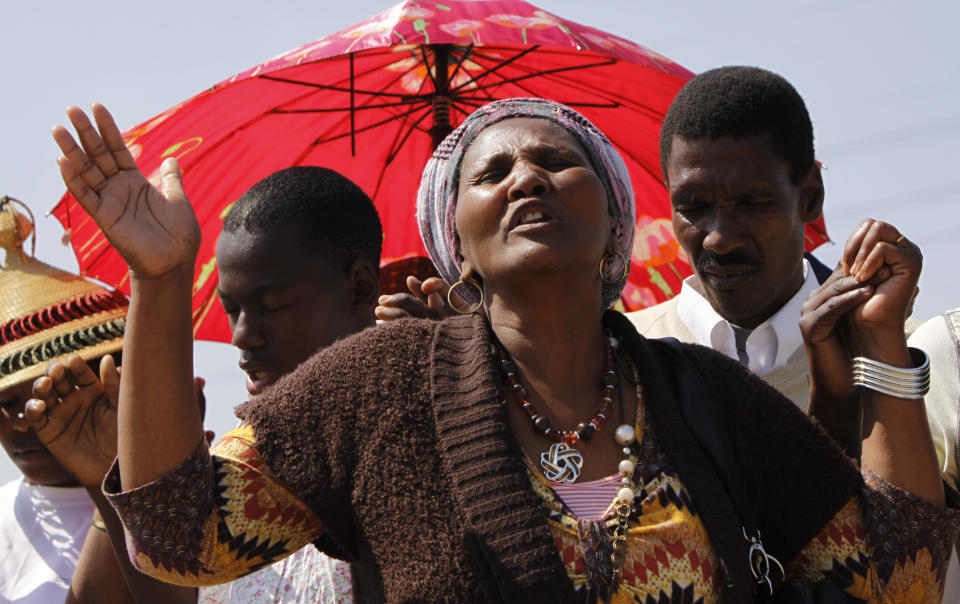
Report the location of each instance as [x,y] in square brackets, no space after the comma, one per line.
[877,253]
[155,230]
[426,300]
[861,308]
[75,416]
[858,311]
[824,324]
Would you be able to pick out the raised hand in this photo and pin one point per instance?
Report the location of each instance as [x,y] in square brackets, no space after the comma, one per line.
[155,230]
[426,300]
[75,416]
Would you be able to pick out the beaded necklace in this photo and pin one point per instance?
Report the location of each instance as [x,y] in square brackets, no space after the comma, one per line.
[562,463]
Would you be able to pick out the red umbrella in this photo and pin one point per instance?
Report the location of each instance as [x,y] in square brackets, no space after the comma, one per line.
[372,100]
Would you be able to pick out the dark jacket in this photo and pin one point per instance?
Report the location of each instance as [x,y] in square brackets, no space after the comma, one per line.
[397,439]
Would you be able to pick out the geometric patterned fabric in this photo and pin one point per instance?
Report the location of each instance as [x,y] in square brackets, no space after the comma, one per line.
[209,523]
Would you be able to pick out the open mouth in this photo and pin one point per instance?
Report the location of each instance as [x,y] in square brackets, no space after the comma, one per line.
[532,218]
[257,381]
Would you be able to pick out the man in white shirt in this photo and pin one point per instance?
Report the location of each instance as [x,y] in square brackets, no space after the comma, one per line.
[736,150]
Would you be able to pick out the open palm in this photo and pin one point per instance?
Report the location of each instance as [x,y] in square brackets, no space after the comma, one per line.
[154,229]
[75,416]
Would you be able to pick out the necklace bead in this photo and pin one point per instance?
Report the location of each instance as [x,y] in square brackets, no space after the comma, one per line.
[625,435]
[585,431]
[541,424]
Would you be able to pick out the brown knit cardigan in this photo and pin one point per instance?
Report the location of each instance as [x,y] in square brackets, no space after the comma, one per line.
[397,439]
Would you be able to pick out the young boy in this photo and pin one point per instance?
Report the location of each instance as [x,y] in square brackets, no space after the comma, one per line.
[298,264]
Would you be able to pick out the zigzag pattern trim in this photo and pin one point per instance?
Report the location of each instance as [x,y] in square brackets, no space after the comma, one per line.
[61,345]
[57,314]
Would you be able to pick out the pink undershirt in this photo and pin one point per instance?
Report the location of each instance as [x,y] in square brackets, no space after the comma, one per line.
[589,499]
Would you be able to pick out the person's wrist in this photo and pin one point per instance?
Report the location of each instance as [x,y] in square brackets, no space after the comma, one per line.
[884,345]
[181,274]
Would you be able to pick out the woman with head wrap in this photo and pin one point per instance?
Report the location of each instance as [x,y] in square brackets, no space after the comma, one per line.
[531,450]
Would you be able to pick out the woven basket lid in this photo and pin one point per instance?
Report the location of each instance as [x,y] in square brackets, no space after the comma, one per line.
[47,314]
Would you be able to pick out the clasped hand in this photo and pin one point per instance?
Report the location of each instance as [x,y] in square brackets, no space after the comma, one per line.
[860,310]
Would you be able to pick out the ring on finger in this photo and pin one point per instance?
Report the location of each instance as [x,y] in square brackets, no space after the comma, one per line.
[900,242]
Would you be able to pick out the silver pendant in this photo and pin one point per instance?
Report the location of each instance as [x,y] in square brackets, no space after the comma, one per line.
[561,463]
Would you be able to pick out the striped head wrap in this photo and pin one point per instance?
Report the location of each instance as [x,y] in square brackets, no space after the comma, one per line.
[437,197]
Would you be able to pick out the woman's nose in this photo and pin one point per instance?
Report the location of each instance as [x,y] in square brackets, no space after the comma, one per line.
[527,180]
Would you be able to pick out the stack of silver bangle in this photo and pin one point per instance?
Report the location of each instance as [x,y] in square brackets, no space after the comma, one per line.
[894,381]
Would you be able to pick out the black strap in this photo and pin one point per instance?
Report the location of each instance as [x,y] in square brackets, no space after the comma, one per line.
[702,415]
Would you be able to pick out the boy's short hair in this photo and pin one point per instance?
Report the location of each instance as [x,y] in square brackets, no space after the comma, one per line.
[332,214]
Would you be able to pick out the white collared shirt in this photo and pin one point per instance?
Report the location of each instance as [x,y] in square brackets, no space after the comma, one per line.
[769,346]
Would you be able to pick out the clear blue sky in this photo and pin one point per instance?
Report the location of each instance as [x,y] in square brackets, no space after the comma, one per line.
[881,80]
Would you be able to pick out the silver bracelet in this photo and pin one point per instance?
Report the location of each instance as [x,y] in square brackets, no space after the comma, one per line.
[912,383]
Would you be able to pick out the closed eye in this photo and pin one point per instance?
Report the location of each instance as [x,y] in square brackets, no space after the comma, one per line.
[690,206]
[488,177]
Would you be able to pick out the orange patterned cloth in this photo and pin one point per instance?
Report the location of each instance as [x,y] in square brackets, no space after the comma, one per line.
[257,520]
[669,558]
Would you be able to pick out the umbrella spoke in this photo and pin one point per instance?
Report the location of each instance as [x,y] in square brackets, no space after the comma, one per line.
[475,103]
[549,72]
[333,88]
[395,150]
[370,126]
[497,67]
[426,63]
[465,55]
[411,101]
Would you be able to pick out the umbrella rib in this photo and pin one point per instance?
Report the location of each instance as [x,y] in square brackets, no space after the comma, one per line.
[472,102]
[426,62]
[413,126]
[396,147]
[401,115]
[407,98]
[411,101]
[383,168]
[550,72]
[493,69]
[334,88]
[463,59]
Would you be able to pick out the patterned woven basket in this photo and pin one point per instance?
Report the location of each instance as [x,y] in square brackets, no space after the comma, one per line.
[47,314]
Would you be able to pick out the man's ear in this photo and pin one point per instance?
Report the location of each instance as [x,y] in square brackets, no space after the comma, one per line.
[364,282]
[811,189]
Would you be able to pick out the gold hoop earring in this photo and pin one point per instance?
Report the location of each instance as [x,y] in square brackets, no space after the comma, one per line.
[469,311]
[623,275]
